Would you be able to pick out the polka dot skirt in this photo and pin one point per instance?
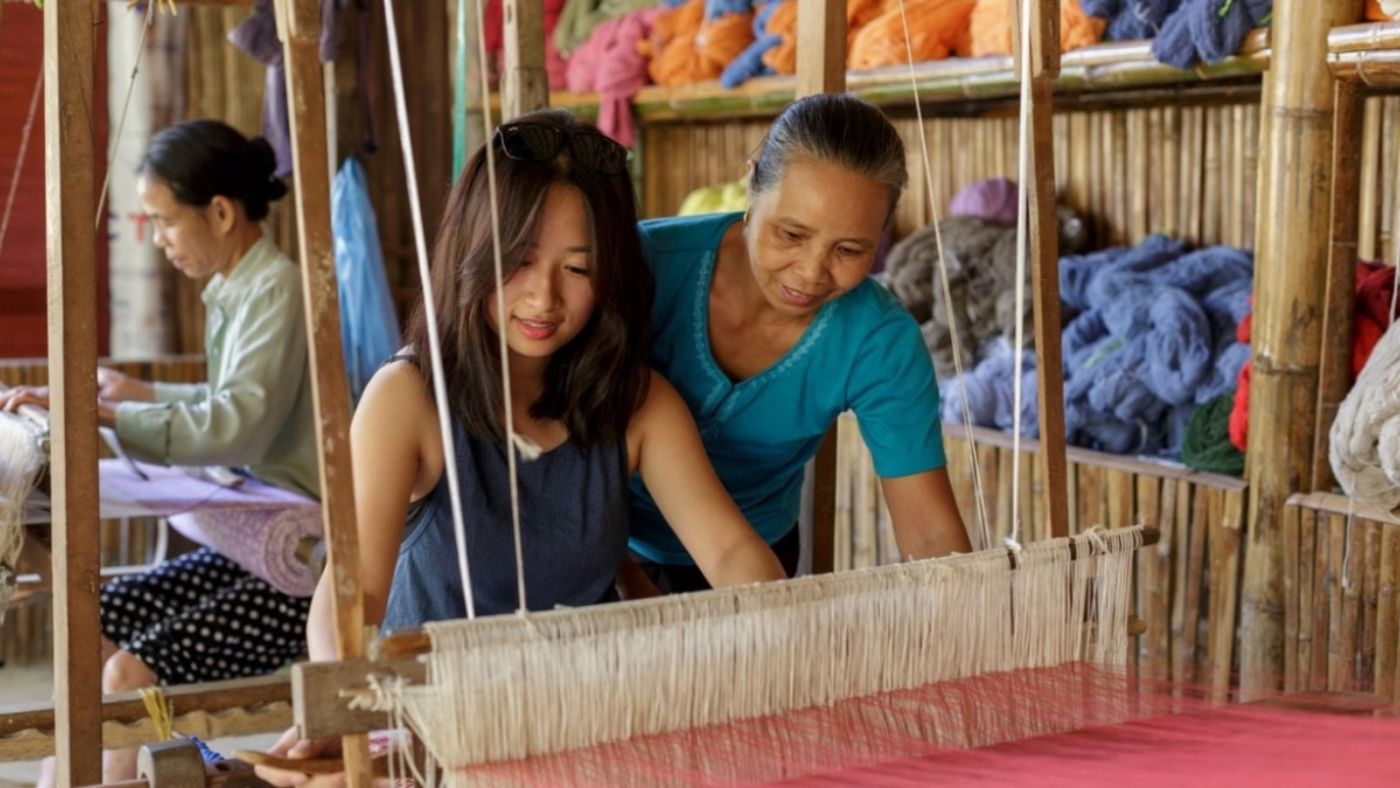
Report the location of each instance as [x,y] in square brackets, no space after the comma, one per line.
[202,617]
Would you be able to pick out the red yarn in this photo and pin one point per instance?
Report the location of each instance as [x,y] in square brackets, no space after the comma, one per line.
[554,63]
[1374,283]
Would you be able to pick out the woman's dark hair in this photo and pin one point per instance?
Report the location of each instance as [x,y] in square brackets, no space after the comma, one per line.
[204,159]
[835,128]
[595,382]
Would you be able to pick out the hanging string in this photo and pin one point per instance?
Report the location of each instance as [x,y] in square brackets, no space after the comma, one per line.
[979,495]
[449,451]
[19,159]
[126,104]
[1023,175]
[511,438]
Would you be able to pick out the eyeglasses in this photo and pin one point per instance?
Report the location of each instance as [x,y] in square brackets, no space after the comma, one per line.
[526,141]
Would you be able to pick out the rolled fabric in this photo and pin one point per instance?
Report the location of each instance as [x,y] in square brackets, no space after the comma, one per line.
[266,541]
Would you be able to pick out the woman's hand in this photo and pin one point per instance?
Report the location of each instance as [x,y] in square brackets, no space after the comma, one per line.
[12,399]
[291,745]
[119,387]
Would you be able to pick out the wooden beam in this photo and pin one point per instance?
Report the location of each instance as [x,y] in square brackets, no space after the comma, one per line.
[1043,227]
[299,22]
[821,47]
[821,68]
[1349,107]
[69,199]
[524,81]
[1290,281]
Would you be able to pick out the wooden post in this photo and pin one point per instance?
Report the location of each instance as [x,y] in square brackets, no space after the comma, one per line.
[1349,107]
[524,81]
[821,68]
[299,23]
[1289,292]
[821,47]
[1043,226]
[69,201]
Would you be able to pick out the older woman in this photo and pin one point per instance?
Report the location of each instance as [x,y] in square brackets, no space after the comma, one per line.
[770,327]
[201,616]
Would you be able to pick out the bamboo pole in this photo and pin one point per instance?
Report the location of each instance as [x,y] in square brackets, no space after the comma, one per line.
[1335,360]
[524,82]
[821,68]
[1288,302]
[69,200]
[299,23]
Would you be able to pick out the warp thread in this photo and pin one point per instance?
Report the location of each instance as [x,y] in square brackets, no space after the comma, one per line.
[159,710]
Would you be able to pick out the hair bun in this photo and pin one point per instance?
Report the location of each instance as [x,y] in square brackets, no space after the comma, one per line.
[262,157]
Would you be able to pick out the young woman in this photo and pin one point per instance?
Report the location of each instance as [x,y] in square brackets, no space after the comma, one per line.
[768,325]
[576,298]
[201,616]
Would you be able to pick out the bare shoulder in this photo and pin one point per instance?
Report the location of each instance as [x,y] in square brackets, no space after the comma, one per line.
[396,397]
[662,401]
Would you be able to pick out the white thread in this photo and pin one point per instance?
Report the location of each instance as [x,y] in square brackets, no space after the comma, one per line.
[501,310]
[1023,174]
[449,452]
[979,495]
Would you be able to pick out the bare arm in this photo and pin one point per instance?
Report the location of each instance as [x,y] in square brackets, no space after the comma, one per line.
[390,460]
[925,515]
[665,447]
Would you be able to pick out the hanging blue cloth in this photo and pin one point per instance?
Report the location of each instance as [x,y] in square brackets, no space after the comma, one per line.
[369,329]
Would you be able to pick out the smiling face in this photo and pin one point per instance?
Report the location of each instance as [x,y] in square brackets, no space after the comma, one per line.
[549,298]
[813,236]
[189,236]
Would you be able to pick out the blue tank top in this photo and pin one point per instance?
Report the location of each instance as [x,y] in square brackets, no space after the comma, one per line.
[573,530]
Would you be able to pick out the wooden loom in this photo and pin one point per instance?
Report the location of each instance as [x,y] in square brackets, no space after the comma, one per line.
[1358,70]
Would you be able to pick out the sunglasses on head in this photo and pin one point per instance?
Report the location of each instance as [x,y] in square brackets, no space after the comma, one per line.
[527,141]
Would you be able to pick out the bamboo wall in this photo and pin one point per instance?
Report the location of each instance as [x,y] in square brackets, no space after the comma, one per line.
[1341,617]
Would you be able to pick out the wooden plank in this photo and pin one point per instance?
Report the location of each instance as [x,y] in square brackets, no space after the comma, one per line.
[1224,593]
[1388,613]
[1307,580]
[1205,509]
[1148,495]
[1370,604]
[524,81]
[1334,364]
[1353,579]
[1043,227]
[1288,299]
[1160,599]
[69,202]
[300,25]
[821,47]
[1291,597]
[1322,606]
[1336,573]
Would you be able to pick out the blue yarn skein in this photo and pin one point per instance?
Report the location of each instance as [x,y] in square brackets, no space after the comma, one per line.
[749,63]
[1208,30]
[1130,20]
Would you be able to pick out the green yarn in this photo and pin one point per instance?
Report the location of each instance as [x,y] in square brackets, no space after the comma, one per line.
[1206,445]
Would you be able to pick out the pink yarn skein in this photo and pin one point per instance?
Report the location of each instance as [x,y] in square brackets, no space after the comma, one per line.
[608,63]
